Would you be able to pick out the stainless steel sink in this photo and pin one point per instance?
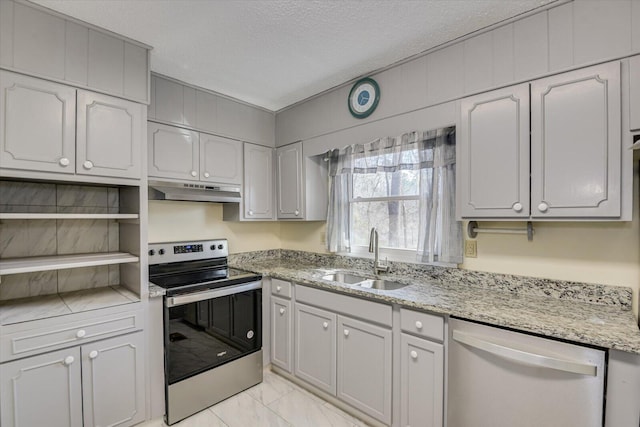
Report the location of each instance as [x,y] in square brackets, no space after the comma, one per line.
[349,279]
[385,285]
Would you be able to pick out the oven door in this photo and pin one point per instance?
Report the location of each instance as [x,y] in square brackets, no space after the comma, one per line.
[207,329]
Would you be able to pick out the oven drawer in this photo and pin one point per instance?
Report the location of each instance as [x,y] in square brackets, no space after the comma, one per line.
[42,339]
[281,288]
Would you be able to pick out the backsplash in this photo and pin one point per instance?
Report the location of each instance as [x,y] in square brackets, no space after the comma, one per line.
[42,237]
[560,289]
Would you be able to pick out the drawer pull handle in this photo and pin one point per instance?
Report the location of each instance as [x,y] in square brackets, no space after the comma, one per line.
[414,354]
[282,311]
[278,288]
[68,360]
[81,333]
[418,324]
[325,325]
[93,354]
[346,332]
[64,162]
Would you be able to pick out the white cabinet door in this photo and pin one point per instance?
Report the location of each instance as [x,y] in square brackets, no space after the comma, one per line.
[421,382]
[109,136]
[315,341]
[173,152]
[258,182]
[634,93]
[113,381]
[364,367]
[289,181]
[37,123]
[42,390]
[576,144]
[493,162]
[281,333]
[220,160]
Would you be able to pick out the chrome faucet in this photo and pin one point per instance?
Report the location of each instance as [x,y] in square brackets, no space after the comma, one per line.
[373,248]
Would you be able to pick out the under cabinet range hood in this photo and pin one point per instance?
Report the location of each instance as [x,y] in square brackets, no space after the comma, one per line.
[163,190]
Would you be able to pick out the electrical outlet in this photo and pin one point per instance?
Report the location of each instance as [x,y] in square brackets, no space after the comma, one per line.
[471,248]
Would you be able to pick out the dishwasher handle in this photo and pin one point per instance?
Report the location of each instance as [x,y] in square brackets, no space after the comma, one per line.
[525,357]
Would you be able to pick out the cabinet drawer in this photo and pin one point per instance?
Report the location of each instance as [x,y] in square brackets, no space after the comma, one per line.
[355,307]
[281,288]
[422,324]
[40,340]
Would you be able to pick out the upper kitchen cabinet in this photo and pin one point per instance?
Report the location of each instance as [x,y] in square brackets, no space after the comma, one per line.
[109,136]
[50,127]
[182,154]
[493,162]
[173,102]
[577,168]
[220,160]
[258,199]
[43,43]
[301,184]
[634,93]
[290,181]
[173,152]
[576,144]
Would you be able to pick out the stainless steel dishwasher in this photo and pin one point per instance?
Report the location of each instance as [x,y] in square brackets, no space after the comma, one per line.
[501,378]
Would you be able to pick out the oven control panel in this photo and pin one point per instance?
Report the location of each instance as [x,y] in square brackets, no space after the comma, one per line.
[160,253]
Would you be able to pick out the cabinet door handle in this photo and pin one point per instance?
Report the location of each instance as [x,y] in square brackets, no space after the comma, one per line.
[68,360]
[64,162]
[346,332]
[525,357]
[413,354]
[81,333]
[517,207]
[93,354]
[418,324]
[206,175]
[325,325]
[194,174]
[250,213]
[88,164]
[282,311]
[543,207]
[297,212]
[278,288]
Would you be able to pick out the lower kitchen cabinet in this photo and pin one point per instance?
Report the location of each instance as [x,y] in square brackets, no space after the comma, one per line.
[105,380]
[315,342]
[364,367]
[42,390]
[421,382]
[281,333]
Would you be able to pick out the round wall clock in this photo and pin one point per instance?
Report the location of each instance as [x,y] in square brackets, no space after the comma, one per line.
[363,98]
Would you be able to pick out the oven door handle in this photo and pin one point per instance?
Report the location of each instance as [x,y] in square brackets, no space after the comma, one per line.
[213,293]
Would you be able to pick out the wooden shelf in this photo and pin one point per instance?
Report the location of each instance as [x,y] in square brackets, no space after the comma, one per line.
[60,262]
[66,216]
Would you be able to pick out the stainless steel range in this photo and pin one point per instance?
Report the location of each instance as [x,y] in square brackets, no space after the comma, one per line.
[212,325]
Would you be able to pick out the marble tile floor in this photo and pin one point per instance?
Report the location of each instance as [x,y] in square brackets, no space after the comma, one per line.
[273,403]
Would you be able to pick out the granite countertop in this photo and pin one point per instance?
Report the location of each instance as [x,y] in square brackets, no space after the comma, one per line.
[557,312]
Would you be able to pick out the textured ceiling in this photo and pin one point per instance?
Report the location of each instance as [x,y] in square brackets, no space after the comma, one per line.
[273,53]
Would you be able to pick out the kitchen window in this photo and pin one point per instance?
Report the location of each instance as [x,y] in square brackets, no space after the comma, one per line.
[403,186]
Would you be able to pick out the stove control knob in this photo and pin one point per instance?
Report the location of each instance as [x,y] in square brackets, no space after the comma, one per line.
[152,252]
[220,246]
[161,251]
[212,247]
